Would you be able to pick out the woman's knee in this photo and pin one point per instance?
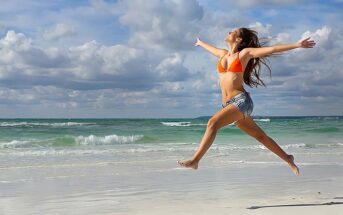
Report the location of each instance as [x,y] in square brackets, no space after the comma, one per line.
[212,123]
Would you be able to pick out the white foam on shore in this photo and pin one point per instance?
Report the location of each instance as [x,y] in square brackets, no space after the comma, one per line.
[80,140]
[295,145]
[186,124]
[109,139]
[262,120]
[14,143]
[95,145]
[182,124]
[176,123]
[32,124]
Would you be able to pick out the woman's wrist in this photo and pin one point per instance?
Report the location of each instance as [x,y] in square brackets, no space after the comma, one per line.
[297,45]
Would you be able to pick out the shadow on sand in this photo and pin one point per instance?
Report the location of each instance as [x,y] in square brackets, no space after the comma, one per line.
[297,205]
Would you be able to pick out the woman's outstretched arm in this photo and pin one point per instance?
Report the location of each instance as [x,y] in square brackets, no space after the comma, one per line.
[263,51]
[215,51]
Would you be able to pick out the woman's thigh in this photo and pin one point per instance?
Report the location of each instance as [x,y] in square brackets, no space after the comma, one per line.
[249,126]
[225,116]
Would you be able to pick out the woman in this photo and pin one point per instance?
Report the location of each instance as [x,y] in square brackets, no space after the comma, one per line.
[242,62]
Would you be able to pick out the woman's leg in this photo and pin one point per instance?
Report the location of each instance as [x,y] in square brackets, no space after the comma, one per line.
[250,127]
[225,116]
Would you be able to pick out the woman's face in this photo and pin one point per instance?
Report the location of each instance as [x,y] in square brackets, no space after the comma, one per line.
[232,35]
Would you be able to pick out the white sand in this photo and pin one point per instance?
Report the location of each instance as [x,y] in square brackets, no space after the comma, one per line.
[156,185]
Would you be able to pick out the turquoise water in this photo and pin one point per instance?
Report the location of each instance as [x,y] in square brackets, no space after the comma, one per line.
[66,134]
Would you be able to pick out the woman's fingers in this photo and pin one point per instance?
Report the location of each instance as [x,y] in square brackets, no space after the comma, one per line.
[311,43]
[197,42]
[306,43]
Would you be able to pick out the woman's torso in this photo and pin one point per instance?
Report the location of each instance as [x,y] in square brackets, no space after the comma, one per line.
[231,83]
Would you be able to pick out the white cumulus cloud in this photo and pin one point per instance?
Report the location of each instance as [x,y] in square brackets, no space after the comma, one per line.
[167,24]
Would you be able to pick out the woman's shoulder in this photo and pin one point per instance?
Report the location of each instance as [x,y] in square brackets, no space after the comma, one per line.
[244,56]
[223,52]
[244,53]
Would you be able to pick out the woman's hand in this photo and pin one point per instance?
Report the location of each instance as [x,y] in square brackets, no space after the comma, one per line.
[197,43]
[306,43]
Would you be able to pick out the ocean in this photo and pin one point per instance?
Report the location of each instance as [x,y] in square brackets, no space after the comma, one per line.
[48,137]
[56,165]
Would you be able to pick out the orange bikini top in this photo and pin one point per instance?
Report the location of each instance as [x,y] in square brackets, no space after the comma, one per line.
[235,66]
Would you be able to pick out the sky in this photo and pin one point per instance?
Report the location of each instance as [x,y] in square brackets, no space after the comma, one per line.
[137,59]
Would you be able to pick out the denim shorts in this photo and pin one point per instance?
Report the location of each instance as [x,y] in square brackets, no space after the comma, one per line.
[243,102]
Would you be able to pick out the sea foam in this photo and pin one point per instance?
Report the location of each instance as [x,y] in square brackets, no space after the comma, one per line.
[15,143]
[176,123]
[186,124]
[37,124]
[262,120]
[109,139]
[75,140]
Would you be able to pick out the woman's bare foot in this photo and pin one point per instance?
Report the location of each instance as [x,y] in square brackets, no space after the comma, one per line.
[294,167]
[189,164]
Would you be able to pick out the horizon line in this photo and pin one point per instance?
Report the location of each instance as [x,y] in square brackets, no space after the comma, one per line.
[272,116]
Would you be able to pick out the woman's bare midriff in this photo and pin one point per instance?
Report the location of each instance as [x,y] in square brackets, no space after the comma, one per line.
[231,84]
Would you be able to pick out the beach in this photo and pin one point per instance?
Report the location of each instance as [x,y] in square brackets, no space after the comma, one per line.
[129,167]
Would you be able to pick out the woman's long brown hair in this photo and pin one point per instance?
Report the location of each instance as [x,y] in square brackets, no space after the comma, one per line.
[253,68]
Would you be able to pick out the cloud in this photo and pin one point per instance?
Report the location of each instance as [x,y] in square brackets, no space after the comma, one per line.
[263,3]
[19,57]
[93,75]
[309,78]
[93,58]
[326,45]
[91,65]
[16,42]
[167,24]
[321,36]
[283,37]
[262,30]
[59,31]
[172,68]
[137,58]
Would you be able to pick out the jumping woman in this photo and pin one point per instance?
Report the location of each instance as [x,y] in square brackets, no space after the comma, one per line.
[242,62]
